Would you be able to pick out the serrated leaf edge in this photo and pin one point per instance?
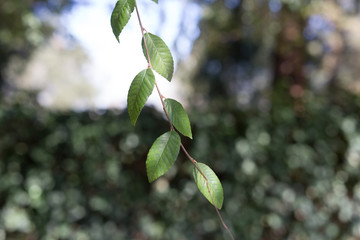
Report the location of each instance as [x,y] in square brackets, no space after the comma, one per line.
[175,157]
[172,116]
[169,75]
[207,184]
[145,73]
[115,16]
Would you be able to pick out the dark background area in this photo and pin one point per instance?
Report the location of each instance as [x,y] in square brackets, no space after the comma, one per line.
[274,107]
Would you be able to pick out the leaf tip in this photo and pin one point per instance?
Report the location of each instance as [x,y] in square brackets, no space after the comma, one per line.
[150,179]
[219,205]
[189,135]
[169,78]
[133,118]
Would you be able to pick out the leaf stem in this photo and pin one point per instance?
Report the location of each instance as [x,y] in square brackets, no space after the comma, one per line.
[163,104]
[193,161]
[143,36]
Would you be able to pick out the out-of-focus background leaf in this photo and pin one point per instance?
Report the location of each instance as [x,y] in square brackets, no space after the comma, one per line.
[273,99]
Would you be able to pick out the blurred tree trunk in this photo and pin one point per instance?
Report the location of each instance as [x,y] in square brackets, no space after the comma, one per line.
[289,56]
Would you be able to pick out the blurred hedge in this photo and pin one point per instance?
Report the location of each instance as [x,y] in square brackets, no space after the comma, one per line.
[287,174]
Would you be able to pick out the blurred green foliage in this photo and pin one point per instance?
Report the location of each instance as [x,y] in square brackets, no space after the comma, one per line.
[288,157]
[62,174]
[286,175]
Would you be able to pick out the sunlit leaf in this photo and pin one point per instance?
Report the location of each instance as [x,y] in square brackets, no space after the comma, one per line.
[121,15]
[140,90]
[178,117]
[155,1]
[215,187]
[160,55]
[162,154]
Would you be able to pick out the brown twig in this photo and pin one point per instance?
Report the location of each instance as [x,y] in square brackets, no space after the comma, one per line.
[193,161]
[143,36]
[163,105]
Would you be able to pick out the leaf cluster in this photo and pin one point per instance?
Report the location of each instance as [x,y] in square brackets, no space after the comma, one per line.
[164,151]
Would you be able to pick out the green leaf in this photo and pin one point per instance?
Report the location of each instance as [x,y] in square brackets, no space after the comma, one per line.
[216,189]
[178,117]
[121,15]
[140,90]
[162,155]
[155,1]
[160,55]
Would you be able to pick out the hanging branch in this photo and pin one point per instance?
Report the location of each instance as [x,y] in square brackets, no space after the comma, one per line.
[164,151]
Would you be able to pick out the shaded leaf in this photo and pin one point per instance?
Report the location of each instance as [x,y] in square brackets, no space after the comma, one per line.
[160,55]
[178,117]
[162,155]
[140,90]
[121,15]
[216,189]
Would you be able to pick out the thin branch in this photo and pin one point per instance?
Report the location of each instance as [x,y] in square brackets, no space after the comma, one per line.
[163,104]
[193,161]
[218,212]
[143,36]
[150,66]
